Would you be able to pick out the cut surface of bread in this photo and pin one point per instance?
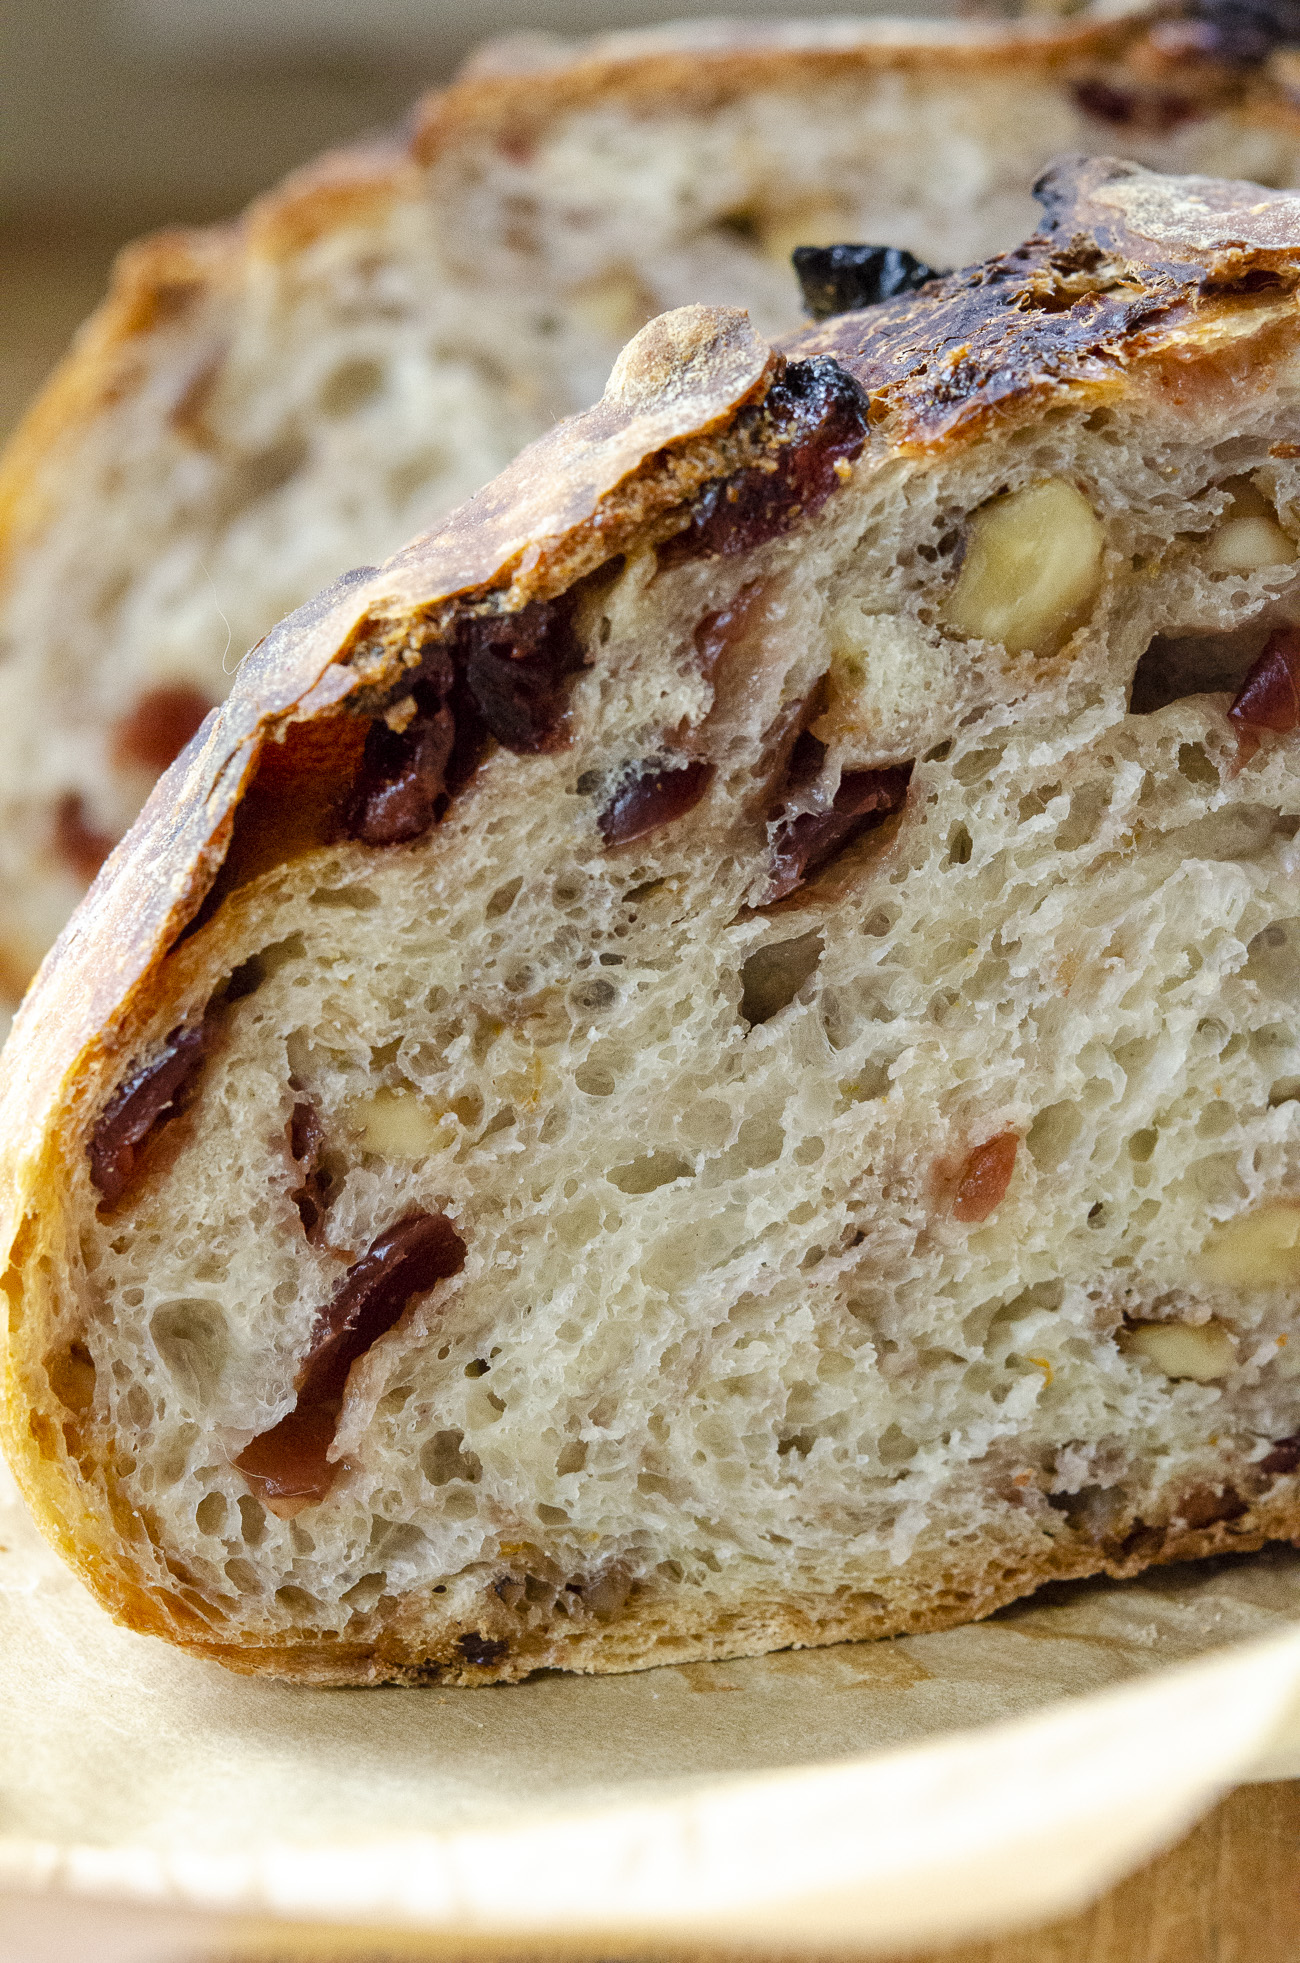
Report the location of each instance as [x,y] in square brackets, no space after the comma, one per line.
[259,407]
[707,1058]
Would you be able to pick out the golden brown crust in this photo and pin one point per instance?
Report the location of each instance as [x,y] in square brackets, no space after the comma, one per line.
[1170,271]
[505,100]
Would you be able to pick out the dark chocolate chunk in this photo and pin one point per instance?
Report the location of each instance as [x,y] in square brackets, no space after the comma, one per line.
[813,418]
[140,1108]
[481,1650]
[289,1465]
[162,722]
[1269,698]
[801,844]
[654,794]
[841,279]
[78,843]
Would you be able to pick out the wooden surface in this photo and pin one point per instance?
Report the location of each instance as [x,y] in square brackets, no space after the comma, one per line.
[1231,1892]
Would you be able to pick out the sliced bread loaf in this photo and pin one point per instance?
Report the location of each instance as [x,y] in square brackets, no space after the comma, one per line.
[707,1059]
[258,407]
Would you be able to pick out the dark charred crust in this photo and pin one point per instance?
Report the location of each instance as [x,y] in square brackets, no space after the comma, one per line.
[289,1465]
[141,1107]
[808,428]
[652,794]
[840,279]
[1243,32]
[1064,307]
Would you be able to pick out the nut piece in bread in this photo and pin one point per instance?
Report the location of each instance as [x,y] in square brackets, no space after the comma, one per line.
[649,1088]
[258,407]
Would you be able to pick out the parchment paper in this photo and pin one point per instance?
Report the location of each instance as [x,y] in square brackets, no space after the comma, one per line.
[870,1796]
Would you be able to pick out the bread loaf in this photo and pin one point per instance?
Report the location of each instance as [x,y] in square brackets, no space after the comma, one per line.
[258,407]
[707,1058]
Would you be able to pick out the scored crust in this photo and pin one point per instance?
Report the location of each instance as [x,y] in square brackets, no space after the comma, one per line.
[1170,302]
[260,405]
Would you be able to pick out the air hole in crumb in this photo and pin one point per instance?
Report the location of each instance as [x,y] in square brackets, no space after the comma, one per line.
[650,1171]
[773,975]
[252,1520]
[1176,666]
[572,1458]
[959,846]
[503,899]
[210,1513]
[72,1378]
[193,1341]
[360,899]
[1195,765]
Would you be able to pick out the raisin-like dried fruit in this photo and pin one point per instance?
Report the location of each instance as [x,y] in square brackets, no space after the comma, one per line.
[842,279]
[813,419]
[1269,698]
[141,1107]
[984,1178]
[801,844]
[289,1465]
[78,843]
[654,795]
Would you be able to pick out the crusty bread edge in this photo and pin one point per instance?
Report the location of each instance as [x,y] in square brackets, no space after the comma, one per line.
[560,510]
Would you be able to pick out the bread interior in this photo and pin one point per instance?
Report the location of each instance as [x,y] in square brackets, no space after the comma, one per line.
[730,1358]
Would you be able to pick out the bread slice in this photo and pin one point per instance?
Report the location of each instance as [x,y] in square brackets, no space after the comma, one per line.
[707,1059]
[259,407]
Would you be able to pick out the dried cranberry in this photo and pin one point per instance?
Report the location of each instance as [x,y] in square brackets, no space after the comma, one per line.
[515,668]
[1204,1506]
[403,777]
[801,844]
[141,1107]
[984,1178]
[79,844]
[651,797]
[1284,1457]
[160,725]
[1154,111]
[813,417]
[1269,698]
[481,1650]
[307,1145]
[290,1462]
